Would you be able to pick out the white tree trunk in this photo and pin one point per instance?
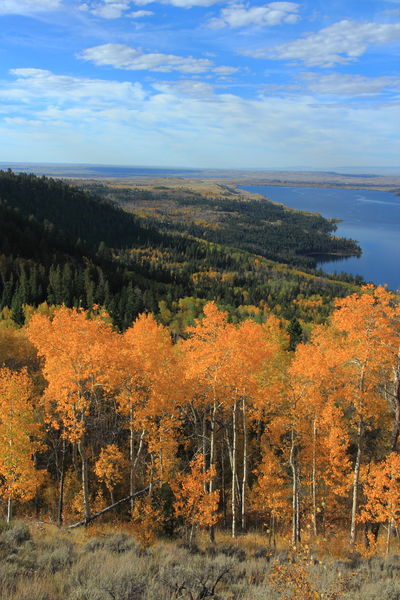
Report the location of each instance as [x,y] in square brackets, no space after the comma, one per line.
[85,480]
[356,477]
[134,460]
[313,480]
[212,453]
[9,510]
[295,494]
[244,480]
[234,470]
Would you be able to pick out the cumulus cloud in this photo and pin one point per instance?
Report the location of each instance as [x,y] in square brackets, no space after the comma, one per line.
[179,3]
[267,15]
[340,43]
[338,84]
[114,9]
[27,7]
[109,10]
[125,57]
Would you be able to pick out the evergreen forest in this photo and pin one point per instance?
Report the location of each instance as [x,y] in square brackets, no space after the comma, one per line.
[60,244]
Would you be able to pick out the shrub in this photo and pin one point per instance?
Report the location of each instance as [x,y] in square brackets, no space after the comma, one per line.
[105,576]
[56,556]
[15,535]
[117,543]
[233,552]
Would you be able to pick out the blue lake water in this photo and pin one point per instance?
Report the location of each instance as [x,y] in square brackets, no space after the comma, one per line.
[370,217]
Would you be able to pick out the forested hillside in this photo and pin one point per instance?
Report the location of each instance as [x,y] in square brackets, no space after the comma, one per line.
[224,215]
[60,244]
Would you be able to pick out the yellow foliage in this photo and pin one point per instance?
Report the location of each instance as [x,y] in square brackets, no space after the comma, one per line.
[110,465]
[18,437]
[147,520]
[192,501]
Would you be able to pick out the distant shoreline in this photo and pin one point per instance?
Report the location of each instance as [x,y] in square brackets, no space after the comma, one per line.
[224,177]
[339,186]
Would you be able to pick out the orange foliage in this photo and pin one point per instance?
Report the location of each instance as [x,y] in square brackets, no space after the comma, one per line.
[214,390]
[149,394]
[192,502]
[382,490]
[18,437]
[77,353]
[147,520]
[109,467]
[270,495]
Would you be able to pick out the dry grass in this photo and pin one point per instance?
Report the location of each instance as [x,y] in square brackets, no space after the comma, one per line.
[105,562]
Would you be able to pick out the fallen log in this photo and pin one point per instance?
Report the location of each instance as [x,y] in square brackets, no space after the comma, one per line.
[105,510]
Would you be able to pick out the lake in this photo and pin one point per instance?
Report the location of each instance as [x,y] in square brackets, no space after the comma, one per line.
[370,217]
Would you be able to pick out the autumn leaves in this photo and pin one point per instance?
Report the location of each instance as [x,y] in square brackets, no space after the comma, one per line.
[351,368]
[222,426]
[19,438]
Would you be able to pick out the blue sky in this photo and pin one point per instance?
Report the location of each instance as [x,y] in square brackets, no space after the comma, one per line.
[201,83]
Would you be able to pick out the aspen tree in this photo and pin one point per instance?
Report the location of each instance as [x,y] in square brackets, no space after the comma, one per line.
[78,352]
[204,360]
[197,507]
[147,393]
[19,438]
[382,491]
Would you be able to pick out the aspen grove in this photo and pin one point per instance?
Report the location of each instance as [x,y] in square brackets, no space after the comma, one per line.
[226,426]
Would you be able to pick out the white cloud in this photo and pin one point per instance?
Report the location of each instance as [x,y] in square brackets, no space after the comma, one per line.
[125,57]
[61,89]
[27,7]
[240,15]
[107,9]
[338,84]
[139,14]
[71,119]
[340,43]
[179,3]
[225,70]
[114,9]
[193,89]
[121,56]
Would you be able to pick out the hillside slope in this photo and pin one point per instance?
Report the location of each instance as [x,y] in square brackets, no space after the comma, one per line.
[61,244]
